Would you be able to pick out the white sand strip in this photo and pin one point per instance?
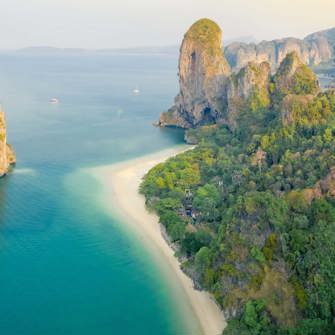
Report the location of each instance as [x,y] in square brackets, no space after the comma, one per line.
[121,183]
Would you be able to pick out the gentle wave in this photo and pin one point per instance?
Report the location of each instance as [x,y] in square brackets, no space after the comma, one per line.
[25,171]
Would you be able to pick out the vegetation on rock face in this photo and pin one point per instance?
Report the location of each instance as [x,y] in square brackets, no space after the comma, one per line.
[308,110]
[249,96]
[203,71]
[204,31]
[294,77]
[206,36]
[252,210]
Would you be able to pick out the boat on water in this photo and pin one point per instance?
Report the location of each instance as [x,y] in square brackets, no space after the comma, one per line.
[136,91]
[54,101]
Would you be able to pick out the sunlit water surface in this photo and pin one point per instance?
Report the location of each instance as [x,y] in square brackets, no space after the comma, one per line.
[66,266]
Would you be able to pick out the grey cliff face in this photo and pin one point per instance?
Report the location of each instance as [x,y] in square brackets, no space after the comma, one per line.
[203,72]
[291,69]
[252,81]
[312,50]
[251,77]
[211,94]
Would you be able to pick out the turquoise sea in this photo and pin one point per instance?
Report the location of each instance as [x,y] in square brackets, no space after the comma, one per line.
[66,266]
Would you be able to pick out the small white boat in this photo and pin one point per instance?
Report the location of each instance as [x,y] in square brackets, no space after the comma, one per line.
[54,101]
[136,91]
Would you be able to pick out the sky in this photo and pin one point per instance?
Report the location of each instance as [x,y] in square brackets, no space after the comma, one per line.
[96,24]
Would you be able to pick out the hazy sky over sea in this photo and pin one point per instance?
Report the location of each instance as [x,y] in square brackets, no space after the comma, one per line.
[124,23]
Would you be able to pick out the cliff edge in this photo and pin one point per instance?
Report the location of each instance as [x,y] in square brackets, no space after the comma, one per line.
[211,94]
[203,72]
[313,50]
[7,154]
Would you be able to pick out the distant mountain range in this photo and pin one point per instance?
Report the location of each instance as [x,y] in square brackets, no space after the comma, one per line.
[169,49]
[241,39]
[315,49]
[42,50]
[49,50]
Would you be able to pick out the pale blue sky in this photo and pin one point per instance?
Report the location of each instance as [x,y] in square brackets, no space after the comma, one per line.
[124,23]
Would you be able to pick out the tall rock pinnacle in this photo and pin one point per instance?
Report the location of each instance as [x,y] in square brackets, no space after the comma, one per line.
[203,71]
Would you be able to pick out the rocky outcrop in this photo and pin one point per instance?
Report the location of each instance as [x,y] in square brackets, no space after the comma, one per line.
[295,86]
[294,77]
[7,155]
[290,104]
[324,187]
[208,91]
[211,94]
[203,72]
[312,50]
[248,90]
[253,77]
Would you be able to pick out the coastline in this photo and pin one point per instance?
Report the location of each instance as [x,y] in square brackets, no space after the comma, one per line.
[120,183]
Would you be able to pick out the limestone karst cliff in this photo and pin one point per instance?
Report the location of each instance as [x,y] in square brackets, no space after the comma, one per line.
[312,50]
[295,88]
[247,91]
[203,71]
[262,185]
[294,77]
[7,154]
[211,94]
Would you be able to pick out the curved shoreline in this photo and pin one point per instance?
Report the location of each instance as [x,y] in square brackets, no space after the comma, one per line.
[121,183]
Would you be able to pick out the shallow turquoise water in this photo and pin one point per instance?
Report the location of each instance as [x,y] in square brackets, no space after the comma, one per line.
[66,267]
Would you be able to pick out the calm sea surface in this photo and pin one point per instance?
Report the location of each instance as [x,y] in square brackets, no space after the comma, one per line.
[66,267]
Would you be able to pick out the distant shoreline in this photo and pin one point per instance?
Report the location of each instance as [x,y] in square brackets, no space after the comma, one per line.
[120,187]
[169,50]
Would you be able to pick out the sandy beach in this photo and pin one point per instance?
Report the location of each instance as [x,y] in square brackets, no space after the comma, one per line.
[120,187]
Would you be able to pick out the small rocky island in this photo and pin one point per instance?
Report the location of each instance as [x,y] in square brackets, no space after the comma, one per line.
[7,154]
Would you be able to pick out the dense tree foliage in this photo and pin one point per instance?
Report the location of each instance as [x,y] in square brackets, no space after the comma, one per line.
[253,214]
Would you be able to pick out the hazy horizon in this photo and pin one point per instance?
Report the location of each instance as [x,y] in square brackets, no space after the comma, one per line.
[107,24]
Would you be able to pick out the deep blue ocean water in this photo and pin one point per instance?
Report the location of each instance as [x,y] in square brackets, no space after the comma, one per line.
[66,267]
